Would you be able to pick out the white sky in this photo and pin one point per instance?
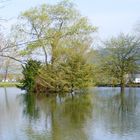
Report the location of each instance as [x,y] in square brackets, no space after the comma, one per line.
[110,16]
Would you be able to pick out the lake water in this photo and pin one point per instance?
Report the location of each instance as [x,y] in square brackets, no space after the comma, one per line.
[100,114]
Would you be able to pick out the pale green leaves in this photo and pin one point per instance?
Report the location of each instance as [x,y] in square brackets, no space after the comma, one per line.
[53,25]
[121,56]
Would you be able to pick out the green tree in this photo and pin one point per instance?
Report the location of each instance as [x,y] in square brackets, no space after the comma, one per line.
[66,37]
[48,27]
[30,72]
[69,73]
[120,57]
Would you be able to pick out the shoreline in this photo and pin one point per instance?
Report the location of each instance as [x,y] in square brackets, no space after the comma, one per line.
[128,85]
[15,84]
[9,84]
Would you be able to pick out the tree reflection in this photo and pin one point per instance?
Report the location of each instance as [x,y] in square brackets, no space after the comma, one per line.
[124,102]
[63,117]
[6,98]
[121,109]
[78,109]
[30,108]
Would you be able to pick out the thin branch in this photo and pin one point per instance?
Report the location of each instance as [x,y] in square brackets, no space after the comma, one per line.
[12,58]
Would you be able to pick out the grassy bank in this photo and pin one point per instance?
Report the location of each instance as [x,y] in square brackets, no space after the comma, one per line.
[9,84]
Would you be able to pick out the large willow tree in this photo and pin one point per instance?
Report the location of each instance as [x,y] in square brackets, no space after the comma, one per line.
[64,37]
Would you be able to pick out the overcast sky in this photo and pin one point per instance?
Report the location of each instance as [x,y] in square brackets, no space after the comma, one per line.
[110,16]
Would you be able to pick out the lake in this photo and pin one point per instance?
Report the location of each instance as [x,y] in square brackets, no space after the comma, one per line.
[100,114]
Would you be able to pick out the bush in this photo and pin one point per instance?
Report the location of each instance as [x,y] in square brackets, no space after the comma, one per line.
[30,72]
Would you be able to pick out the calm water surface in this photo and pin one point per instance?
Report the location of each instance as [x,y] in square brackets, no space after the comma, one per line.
[101,114]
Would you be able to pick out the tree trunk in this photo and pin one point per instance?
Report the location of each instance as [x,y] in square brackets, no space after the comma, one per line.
[122,88]
[122,85]
[6,74]
[54,46]
[45,53]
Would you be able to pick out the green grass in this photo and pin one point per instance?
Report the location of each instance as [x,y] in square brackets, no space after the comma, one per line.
[8,84]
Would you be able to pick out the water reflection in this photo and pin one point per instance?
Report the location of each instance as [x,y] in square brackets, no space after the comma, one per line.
[102,114]
[6,98]
[30,108]
[78,109]
[124,102]
[119,114]
[61,117]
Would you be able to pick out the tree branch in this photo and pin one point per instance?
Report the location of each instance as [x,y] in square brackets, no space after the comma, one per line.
[22,62]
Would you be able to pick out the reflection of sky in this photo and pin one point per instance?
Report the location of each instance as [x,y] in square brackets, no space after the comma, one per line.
[105,123]
[111,16]
[109,122]
[10,113]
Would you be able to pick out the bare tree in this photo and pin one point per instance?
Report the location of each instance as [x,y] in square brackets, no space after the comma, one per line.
[9,56]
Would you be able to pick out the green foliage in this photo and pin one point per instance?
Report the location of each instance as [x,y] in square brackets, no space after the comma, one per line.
[56,29]
[70,72]
[50,26]
[120,57]
[60,32]
[78,72]
[30,72]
